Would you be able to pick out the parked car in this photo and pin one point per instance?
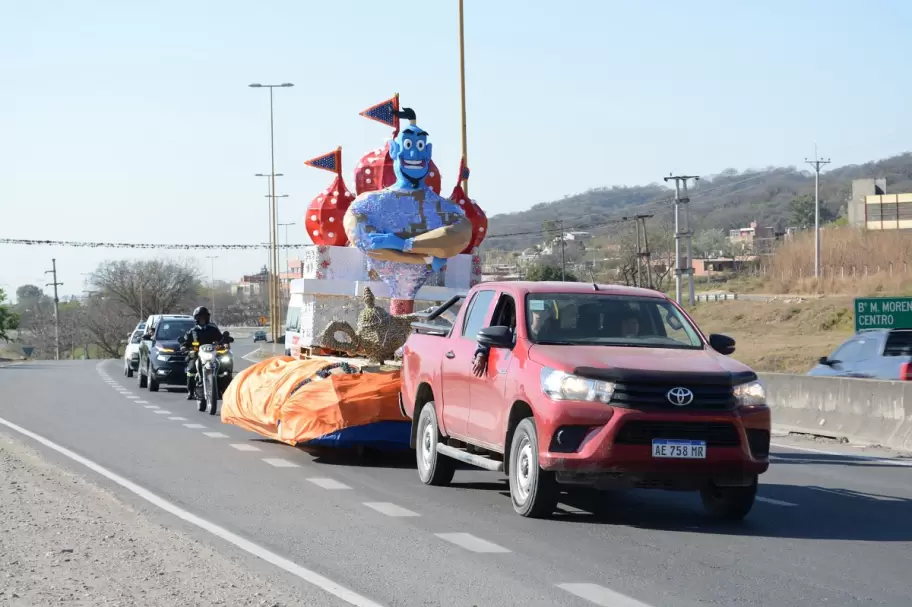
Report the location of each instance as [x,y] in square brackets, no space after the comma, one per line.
[586,385]
[131,353]
[872,354]
[259,336]
[160,358]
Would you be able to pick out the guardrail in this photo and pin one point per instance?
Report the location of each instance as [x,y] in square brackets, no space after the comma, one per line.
[861,410]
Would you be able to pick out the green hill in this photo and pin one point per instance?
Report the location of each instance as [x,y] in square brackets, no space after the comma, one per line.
[728,200]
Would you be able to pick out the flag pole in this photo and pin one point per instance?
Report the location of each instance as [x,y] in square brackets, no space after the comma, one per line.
[465,152]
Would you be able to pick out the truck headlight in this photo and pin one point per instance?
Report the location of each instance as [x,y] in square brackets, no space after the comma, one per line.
[559,385]
[163,359]
[750,394]
[225,359]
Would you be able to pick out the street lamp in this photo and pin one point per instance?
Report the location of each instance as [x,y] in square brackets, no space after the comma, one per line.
[273,230]
[212,259]
[270,269]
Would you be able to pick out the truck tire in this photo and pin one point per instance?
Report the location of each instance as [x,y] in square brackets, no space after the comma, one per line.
[433,468]
[533,491]
[729,503]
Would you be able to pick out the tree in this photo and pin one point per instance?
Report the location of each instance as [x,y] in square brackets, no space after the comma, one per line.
[713,242]
[9,320]
[149,287]
[27,293]
[539,272]
[802,211]
[105,322]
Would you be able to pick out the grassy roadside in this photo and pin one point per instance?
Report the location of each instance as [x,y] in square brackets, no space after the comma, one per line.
[784,335]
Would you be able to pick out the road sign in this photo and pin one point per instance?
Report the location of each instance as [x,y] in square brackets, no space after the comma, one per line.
[883,313]
[27,350]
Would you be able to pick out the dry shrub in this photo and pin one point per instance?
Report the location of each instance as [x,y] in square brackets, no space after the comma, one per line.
[853,261]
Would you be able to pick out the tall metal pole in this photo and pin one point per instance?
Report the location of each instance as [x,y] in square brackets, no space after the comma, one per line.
[55,284]
[682,230]
[817,163]
[212,259]
[563,262]
[636,276]
[270,269]
[462,93]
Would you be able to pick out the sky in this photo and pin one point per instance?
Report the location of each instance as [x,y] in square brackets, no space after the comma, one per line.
[133,122]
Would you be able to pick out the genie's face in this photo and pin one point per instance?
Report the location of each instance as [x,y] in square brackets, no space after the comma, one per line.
[411,154]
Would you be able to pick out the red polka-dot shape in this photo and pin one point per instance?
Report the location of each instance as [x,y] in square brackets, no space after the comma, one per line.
[323,219]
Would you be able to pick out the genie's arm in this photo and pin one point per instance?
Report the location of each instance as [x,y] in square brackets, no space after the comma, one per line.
[445,242]
[357,234]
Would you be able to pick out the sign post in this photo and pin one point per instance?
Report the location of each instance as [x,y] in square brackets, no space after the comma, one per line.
[883,313]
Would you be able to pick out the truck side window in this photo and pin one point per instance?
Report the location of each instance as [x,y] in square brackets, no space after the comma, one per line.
[504,313]
[476,314]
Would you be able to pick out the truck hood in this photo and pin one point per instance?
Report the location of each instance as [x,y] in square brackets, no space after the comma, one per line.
[666,360]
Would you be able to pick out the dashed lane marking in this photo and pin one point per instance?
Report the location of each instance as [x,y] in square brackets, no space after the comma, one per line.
[142,402]
[162,412]
[280,463]
[328,483]
[599,595]
[178,419]
[472,543]
[151,407]
[244,447]
[215,435]
[885,461]
[767,500]
[195,426]
[311,577]
[390,509]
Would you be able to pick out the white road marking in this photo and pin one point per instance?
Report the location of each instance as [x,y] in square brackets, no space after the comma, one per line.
[311,577]
[390,509]
[870,458]
[280,463]
[131,397]
[328,483]
[195,426]
[470,542]
[142,402]
[244,447]
[767,500]
[866,496]
[162,412]
[215,435]
[151,407]
[600,595]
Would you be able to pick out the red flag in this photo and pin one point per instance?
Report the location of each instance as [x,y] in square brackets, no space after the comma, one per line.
[328,162]
[384,112]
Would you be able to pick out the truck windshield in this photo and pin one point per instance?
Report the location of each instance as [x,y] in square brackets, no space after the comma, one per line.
[594,319]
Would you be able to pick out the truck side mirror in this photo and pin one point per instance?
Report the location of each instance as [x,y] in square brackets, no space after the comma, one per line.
[723,344]
[496,337]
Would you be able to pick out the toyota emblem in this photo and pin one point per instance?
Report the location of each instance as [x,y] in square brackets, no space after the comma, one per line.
[680,397]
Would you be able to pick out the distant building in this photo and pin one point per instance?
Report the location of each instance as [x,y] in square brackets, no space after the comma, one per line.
[872,208]
[753,238]
[716,265]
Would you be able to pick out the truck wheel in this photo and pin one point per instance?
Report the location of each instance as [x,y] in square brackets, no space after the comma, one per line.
[534,491]
[433,468]
[729,503]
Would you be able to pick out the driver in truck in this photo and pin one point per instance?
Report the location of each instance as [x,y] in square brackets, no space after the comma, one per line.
[202,333]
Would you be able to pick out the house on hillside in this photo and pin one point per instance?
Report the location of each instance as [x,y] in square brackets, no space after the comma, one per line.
[753,238]
[871,207]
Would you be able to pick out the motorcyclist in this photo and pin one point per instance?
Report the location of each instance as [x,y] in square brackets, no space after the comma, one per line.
[203,333]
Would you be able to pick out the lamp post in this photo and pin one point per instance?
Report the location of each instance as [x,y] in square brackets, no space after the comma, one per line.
[270,270]
[273,230]
[287,243]
[212,259]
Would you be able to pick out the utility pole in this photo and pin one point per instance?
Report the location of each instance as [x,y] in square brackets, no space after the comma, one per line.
[287,244]
[644,252]
[817,163]
[683,265]
[55,284]
[212,259]
[270,268]
[636,275]
[560,222]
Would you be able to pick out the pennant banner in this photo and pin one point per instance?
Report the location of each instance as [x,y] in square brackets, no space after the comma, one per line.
[384,112]
[328,162]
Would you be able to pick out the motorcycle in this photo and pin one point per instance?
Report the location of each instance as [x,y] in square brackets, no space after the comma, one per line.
[212,362]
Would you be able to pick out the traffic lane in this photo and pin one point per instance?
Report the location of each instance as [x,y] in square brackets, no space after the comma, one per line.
[807,537]
[293,511]
[677,521]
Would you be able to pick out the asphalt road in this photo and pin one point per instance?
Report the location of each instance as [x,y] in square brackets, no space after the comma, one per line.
[830,528]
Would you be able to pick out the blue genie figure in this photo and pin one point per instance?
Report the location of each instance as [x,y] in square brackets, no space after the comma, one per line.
[407,230]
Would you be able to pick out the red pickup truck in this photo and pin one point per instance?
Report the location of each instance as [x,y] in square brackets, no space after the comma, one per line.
[585,385]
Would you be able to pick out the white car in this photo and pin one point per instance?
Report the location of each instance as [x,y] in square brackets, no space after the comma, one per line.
[131,353]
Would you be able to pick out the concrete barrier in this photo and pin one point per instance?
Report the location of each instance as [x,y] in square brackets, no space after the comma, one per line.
[861,410]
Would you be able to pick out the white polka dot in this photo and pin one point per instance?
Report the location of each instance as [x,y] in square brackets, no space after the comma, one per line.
[481,229]
[313,217]
[319,198]
[361,166]
[431,174]
[349,194]
[367,171]
[331,235]
[462,202]
[368,180]
[336,193]
[334,201]
[332,220]
[316,232]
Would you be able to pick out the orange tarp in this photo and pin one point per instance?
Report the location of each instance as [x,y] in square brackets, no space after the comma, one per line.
[258,399]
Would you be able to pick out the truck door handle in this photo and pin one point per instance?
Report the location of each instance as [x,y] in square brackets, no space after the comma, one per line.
[450,354]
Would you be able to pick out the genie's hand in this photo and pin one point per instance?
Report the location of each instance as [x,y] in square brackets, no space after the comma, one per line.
[385,241]
[438,264]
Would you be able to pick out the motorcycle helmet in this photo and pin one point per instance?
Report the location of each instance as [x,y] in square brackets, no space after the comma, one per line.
[200,311]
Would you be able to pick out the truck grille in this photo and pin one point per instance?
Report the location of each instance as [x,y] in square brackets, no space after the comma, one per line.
[638,394]
[639,432]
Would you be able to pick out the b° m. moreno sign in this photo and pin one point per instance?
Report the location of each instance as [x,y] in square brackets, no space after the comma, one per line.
[883,313]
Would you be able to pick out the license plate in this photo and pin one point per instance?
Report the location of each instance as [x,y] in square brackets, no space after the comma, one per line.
[678,449]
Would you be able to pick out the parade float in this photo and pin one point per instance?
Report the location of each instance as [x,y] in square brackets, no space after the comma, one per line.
[393,247]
